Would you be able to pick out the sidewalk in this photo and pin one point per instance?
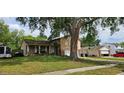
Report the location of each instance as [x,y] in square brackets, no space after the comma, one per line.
[121,73]
[63,72]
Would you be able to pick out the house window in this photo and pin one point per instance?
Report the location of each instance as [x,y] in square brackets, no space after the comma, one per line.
[1,50]
[42,49]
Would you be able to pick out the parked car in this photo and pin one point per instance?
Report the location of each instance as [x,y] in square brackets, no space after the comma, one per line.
[18,53]
[118,55]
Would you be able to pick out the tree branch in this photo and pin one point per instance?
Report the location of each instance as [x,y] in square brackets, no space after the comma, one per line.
[91,21]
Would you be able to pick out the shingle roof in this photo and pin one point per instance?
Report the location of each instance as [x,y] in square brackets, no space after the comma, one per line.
[34,42]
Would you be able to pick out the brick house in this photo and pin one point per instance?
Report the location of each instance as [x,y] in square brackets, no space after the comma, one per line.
[57,46]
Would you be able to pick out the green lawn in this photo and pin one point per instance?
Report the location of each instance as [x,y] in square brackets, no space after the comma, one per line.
[40,64]
[106,58]
[104,71]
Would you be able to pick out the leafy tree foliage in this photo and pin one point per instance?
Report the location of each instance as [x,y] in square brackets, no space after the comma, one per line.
[4,33]
[72,26]
[30,37]
[16,39]
[90,39]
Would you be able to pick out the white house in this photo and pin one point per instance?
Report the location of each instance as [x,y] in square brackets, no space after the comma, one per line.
[5,51]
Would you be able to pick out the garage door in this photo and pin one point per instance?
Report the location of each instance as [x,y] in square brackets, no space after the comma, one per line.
[105,52]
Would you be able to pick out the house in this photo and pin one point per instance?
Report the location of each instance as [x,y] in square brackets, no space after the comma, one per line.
[57,46]
[5,51]
[106,49]
[112,47]
[119,49]
[90,51]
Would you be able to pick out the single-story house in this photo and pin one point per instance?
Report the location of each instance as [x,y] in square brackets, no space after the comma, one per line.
[90,51]
[106,49]
[58,46]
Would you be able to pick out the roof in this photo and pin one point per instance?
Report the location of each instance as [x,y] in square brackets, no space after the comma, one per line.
[35,42]
[61,37]
[119,48]
[104,48]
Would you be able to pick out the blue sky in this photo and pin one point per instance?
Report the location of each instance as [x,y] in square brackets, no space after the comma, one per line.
[104,35]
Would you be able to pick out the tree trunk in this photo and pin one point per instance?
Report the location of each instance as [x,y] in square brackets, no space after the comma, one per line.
[74,44]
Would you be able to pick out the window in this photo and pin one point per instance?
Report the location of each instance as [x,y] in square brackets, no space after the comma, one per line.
[42,49]
[1,50]
[8,50]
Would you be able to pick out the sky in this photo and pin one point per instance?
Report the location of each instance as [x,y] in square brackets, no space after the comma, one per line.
[103,35]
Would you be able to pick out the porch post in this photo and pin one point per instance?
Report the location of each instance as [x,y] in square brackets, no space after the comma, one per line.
[27,51]
[27,48]
[49,49]
[35,49]
[46,49]
[39,49]
[4,50]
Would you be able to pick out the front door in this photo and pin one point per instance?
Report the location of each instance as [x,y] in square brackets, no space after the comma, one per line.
[31,50]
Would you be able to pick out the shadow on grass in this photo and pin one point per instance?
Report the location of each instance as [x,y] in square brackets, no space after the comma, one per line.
[10,63]
[94,62]
[19,60]
[38,59]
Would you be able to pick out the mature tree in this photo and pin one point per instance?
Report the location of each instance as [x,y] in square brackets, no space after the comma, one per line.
[16,39]
[4,33]
[90,40]
[13,38]
[72,26]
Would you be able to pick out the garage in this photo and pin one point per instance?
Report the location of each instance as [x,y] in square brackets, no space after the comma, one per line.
[104,51]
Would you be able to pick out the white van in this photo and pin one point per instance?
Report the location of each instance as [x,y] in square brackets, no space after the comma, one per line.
[5,52]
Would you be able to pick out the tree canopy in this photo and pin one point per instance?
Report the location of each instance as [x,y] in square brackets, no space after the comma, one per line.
[72,26]
[4,33]
[13,38]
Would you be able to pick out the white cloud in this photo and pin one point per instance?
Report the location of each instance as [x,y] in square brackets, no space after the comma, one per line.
[27,31]
[15,26]
[106,37]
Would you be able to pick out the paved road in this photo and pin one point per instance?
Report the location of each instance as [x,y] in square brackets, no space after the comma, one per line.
[63,72]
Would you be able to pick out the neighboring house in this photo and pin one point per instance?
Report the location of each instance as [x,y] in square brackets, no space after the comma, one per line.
[90,51]
[119,49]
[112,47]
[58,46]
[5,51]
[106,49]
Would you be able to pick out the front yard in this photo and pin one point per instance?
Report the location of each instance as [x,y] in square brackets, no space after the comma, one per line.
[40,64]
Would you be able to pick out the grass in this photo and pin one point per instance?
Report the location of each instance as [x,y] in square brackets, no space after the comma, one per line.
[40,64]
[106,58]
[104,71]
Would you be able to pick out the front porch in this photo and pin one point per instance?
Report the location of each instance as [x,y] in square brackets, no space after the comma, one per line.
[37,49]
